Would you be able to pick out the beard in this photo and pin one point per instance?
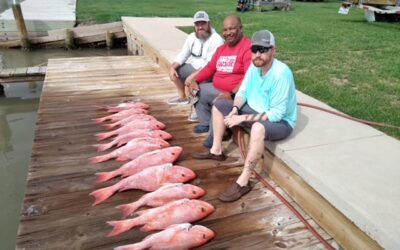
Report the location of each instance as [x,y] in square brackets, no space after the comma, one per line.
[258,62]
[203,34]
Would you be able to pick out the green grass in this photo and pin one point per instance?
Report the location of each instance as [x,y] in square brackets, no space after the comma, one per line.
[343,61]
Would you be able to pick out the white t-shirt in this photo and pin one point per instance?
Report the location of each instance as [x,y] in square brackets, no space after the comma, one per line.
[199,50]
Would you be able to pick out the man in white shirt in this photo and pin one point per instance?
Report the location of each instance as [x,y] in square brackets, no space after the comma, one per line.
[199,46]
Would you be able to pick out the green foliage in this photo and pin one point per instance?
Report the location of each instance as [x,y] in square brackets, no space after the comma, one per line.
[344,61]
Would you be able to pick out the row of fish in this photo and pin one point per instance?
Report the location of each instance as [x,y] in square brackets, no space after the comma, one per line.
[140,140]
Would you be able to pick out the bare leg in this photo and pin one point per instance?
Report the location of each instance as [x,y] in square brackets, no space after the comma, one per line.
[181,88]
[256,149]
[218,132]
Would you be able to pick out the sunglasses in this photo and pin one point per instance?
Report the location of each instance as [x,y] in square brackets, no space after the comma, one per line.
[199,53]
[261,49]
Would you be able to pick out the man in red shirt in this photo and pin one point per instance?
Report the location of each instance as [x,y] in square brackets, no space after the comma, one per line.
[227,69]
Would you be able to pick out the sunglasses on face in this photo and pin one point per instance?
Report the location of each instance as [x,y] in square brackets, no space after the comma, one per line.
[261,49]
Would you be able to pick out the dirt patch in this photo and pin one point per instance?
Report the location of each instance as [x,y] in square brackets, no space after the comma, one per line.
[301,71]
[339,82]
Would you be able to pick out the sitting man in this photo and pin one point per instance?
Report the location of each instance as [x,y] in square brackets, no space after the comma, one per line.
[227,68]
[200,46]
[266,103]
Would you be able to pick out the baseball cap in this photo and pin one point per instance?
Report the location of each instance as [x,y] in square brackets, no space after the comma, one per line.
[201,16]
[263,38]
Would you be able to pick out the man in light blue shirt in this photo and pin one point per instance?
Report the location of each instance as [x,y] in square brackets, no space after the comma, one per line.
[266,103]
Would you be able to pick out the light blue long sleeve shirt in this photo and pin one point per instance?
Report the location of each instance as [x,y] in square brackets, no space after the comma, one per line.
[273,93]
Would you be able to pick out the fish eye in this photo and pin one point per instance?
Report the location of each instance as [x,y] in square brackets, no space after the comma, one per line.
[183,175]
[194,192]
[204,236]
[203,209]
[173,153]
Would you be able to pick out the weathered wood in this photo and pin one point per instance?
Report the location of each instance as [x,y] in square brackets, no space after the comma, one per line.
[81,34]
[69,39]
[19,19]
[57,209]
[109,39]
[22,74]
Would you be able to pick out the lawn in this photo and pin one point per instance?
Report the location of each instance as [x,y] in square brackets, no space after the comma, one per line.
[343,61]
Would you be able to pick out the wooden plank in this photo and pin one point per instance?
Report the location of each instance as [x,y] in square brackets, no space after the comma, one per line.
[57,209]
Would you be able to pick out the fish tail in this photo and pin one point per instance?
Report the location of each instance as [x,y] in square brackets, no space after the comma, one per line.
[103,136]
[121,226]
[100,120]
[113,110]
[102,194]
[105,176]
[128,209]
[99,158]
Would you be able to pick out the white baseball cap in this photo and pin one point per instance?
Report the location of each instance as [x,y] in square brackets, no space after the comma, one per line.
[201,16]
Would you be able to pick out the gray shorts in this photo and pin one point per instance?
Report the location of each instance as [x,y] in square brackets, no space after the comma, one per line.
[184,71]
[273,130]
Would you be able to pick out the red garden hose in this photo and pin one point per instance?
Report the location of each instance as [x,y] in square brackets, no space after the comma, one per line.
[270,187]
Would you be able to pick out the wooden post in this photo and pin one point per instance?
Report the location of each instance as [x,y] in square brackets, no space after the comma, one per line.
[19,19]
[69,39]
[109,39]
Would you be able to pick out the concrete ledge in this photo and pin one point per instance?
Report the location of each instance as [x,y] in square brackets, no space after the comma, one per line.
[352,166]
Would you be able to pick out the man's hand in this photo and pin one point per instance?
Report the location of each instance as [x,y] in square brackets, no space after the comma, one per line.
[193,88]
[233,120]
[173,75]
[234,111]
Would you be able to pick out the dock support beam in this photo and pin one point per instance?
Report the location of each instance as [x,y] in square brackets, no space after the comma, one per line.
[19,19]
[109,39]
[69,39]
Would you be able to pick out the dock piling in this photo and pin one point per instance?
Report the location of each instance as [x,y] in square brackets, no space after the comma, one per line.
[69,39]
[19,19]
[109,39]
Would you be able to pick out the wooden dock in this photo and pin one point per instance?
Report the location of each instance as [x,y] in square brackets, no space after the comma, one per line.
[81,35]
[36,73]
[57,211]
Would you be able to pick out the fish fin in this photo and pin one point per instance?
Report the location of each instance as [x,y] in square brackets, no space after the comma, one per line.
[120,226]
[109,126]
[105,176]
[102,136]
[99,158]
[100,120]
[102,147]
[122,158]
[102,194]
[128,209]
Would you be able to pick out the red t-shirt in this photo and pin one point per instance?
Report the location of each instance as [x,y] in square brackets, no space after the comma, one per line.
[228,66]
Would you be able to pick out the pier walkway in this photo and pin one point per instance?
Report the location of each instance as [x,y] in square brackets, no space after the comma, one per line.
[343,173]
[57,211]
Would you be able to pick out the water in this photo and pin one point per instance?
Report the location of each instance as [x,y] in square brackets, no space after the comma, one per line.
[18,109]
[6,4]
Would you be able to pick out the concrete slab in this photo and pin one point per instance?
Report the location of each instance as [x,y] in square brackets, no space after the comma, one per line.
[316,128]
[360,177]
[154,30]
